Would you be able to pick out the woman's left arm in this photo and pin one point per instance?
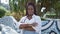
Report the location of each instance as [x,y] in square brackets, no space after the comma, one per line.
[28,27]
[38,27]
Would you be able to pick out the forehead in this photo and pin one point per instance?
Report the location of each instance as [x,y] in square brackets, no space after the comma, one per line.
[30,6]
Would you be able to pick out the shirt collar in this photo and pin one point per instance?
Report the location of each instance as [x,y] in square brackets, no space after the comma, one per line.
[33,15]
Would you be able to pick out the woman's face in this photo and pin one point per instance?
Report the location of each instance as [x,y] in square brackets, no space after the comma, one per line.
[30,10]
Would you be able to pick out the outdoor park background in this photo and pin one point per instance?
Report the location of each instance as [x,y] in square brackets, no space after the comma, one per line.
[17,8]
[48,10]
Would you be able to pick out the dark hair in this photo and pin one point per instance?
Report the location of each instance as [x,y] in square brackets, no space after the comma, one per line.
[33,7]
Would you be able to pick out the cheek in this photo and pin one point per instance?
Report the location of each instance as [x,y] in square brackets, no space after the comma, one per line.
[31,11]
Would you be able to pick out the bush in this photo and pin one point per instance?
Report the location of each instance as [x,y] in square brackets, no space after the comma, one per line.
[2,12]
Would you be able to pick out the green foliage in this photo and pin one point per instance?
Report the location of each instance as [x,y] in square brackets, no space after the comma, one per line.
[2,11]
[17,5]
[57,5]
[8,13]
[57,8]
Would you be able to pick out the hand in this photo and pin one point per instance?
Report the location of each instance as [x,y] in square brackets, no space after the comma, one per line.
[34,24]
[23,26]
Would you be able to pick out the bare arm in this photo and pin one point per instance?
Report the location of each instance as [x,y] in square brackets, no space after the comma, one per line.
[27,26]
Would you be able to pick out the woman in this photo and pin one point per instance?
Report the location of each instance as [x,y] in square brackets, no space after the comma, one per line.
[31,23]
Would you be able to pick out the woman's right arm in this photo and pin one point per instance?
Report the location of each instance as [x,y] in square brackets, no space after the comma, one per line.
[22,25]
[27,26]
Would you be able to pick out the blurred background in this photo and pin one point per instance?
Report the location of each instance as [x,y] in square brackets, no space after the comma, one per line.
[17,8]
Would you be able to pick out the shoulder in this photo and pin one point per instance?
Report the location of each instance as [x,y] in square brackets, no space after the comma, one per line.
[36,16]
[23,17]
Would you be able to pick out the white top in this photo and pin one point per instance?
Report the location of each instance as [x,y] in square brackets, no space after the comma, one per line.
[35,19]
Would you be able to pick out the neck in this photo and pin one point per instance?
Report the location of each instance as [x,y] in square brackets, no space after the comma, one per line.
[29,17]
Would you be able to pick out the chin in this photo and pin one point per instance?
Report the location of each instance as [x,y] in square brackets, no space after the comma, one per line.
[30,14]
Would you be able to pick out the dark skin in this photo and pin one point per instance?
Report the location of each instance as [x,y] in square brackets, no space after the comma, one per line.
[29,16]
[27,26]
